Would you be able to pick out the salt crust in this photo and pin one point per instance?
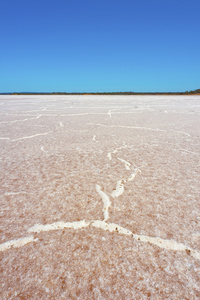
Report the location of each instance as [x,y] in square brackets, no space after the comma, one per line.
[111,227]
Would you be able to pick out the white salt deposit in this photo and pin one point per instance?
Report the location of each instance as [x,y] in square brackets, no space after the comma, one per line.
[59,225]
[126,163]
[119,188]
[106,202]
[17,243]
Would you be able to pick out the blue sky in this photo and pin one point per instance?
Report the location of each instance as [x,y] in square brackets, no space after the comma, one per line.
[98,45]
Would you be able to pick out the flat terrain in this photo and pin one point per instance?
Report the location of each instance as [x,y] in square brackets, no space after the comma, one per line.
[100,197]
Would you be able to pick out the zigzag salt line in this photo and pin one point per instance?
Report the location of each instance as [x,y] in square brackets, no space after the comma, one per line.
[109,155]
[132,127]
[132,176]
[106,202]
[17,243]
[119,188]
[25,137]
[138,127]
[15,121]
[120,184]
[31,136]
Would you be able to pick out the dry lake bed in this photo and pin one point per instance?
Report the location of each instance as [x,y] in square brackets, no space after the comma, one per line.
[100,197]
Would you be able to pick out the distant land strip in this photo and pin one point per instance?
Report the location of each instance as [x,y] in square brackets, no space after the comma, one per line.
[195,92]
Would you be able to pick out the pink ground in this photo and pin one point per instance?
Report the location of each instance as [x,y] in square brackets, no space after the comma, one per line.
[63,159]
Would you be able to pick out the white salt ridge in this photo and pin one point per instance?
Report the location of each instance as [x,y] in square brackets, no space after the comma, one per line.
[25,137]
[109,155]
[111,227]
[109,113]
[167,244]
[126,163]
[120,184]
[31,136]
[142,128]
[183,132]
[119,188]
[161,243]
[14,193]
[17,243]
[94,138]
[59,225]
[15,121]
[42,149]
[190,151]
[132,176]
[106,202]
[132,127]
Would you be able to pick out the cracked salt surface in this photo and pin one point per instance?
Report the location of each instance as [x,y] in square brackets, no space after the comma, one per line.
[137,127]
[78,245]
[112,227]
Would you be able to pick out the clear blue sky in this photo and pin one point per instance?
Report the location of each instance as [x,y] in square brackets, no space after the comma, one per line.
[99,45]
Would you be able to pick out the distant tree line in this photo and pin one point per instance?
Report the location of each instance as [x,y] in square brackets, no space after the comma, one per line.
[195,92]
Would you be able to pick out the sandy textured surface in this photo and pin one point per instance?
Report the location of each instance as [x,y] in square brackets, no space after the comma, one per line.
[100,197]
